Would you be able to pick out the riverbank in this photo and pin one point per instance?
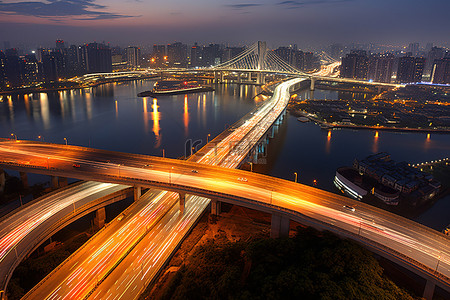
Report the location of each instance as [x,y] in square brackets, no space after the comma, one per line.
[73,86]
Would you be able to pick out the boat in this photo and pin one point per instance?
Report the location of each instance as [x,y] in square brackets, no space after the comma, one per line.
[446,230]
[303,119]
[175,87]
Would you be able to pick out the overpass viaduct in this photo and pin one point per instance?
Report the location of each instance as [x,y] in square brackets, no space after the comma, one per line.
[411,245]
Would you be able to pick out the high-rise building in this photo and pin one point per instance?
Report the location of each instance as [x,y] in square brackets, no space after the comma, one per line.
[29,69]
[2,70]
[60,45]
[12,68]
[159,56]
[133,57]
[441,71]
[177,54]
[196,56]
[212,55]
[410,69]
[230,52]
[355,65]
[96,58]
[432,55]
[413,48]
[53,66]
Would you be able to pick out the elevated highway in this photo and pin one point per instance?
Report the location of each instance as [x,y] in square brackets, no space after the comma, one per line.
[417,247]
[26,228]
[154,220]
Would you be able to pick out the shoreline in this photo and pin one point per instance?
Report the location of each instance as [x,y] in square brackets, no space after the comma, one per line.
[56,89]
[363,127]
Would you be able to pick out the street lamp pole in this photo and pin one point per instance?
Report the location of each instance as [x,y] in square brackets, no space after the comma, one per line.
[170,175]
[48,163]
[295,173]
[437,265]
[65,139]
[164,154]
[15,136]
[251,167]
[207,138]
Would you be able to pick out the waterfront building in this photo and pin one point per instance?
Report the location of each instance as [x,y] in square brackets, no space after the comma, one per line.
[177,54]
[133,57]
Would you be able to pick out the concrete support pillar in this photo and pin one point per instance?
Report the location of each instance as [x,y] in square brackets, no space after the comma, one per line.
[239,81]
[182,201]
[429,290]
[137,192]
[249,77]
[24,179]
[215,77]
[279,227]
[258,78]
[63,181]
[54,182]
[216,207]
[100,217]
[221,77]
[313,81]
[2,180]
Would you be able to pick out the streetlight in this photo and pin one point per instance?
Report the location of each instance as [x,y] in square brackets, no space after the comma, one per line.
[65,139]
[437,265]
[14,136]
[251,167]
[163,153]
[207,138]
[40,137]
[119,169]
[48,163]
[295,180]
[170,175]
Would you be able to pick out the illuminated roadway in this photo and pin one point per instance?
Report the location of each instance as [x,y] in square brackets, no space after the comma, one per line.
[24,229]
[153,236]
[418,245]
[252,128]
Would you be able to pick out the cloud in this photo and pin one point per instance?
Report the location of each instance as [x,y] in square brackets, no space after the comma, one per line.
[51,9]
[296,4]
[243,5]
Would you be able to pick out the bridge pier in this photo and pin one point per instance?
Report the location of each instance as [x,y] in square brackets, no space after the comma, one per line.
[137,192]
[182,201]
[54,182]
[100,217]
[216,207]
[279,227]
[24,179]
[260,79]
[429,290]
[221,77]
[2,181]
[313,81]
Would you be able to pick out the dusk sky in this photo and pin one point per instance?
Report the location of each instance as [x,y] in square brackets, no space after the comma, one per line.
[304,22]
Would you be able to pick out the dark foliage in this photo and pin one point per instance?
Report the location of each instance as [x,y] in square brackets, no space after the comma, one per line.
[312,265]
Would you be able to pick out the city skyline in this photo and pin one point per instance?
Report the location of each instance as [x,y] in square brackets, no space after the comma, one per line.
[306,23]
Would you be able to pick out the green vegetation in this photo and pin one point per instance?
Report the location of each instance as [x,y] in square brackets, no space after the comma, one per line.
[312,265]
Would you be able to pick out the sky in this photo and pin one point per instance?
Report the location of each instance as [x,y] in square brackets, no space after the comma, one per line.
[307,23]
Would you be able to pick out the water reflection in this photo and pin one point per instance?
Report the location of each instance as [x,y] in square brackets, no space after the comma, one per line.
[375,143]
[328,143]
[45,110]
[144,102]
[156,118]
[186,116]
